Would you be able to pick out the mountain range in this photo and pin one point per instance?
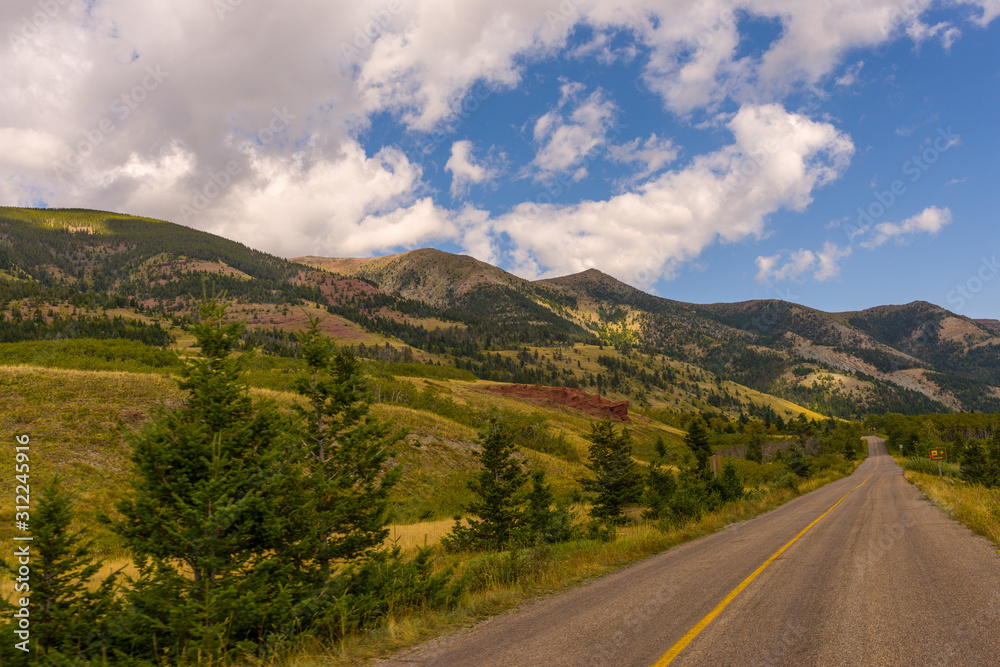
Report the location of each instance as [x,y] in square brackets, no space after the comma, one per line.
[62,267]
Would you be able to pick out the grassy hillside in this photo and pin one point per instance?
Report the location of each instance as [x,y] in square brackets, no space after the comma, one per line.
[88,274]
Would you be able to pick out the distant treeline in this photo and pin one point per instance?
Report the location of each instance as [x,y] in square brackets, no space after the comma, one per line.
[36,327]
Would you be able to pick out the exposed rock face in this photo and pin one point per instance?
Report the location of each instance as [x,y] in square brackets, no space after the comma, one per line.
[573,398]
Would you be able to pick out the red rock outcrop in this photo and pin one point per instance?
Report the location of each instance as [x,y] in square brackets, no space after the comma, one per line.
[592,404]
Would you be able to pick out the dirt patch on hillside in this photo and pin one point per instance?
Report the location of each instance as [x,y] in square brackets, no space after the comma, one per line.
[592,404]
[917,380]
[960,331]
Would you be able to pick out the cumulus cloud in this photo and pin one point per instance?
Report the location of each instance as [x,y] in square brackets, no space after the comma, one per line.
[252,129]
[567,139]
[654,153]
[989,9]
[828,261]
[823,264]
[929,221]
[464,170]
[776,160]
[342,205]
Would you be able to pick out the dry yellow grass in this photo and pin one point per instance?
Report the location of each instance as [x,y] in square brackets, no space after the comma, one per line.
[415,535]
[975,506]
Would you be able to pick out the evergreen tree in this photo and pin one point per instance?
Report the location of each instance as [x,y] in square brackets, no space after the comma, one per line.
[203,521]
[618,481]
[68,620]
[975,463]
[661,447]
[697,440]
[991,476]
[692,497]
[344,485]
[850,448]
[541,521]
[958,447]
[729,484]
[496,513]
[796,460]
[660,487]
[755,449]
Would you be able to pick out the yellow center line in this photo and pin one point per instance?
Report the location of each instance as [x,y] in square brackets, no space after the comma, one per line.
[669,656]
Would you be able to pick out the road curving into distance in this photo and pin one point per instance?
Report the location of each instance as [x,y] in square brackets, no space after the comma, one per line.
[862,571]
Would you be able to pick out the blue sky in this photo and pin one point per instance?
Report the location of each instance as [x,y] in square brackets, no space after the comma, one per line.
[833,155]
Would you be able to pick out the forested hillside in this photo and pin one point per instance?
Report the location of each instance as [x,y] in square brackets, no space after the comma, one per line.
[77,273]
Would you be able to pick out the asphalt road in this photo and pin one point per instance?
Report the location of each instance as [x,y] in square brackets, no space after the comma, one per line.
[883,578]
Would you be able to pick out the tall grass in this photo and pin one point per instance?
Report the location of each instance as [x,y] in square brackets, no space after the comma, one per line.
[974,505]
[924,465]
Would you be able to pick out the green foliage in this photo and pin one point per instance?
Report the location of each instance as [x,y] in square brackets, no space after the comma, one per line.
[69,621]
[660,487]
[755,451]
[925,465]
[497,517]
[344,487]
[202,520]
[729,483]
[247,528]
[617,481]
[660,447]
[787,480]
[542,521]
[415,370]
[697,440]
[59,327]
[692,498]
[91,355]
[977,467]
[797,461]
[993,461]
[384,585]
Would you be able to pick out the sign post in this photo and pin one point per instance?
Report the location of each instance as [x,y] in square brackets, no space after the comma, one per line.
[939,454]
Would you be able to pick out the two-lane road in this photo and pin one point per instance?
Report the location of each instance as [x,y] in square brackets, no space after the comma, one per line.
[860,572]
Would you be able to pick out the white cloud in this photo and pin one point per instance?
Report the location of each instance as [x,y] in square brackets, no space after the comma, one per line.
[776,161]
[347,204]
[824,264]
[28,150]
[919,31]
[311,184]
[463,169]
[850,75]
[423,70]
[654,153]
[567,139]
[990,10]
[929,221]
[771,268]
[828,260]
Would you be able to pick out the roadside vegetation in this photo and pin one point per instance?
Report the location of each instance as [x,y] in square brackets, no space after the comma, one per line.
[254,526]
[968,484]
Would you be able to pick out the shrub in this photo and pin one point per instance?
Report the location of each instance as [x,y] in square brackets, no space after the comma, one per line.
[787,480]
[925,465]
